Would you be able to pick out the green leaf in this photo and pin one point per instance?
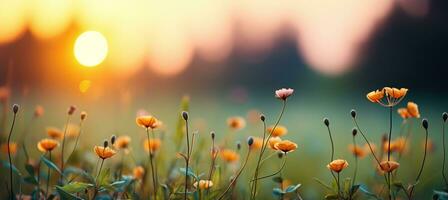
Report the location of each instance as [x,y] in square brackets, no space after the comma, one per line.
[30,180]
[75,187]
[65,195]
[122,184]
[440,195]
[277,179]
[323,184]
[79,172]
[14,168]
[292,188]
[104,177]
[278,192]
[347,185]
[364,189]
[30,169]
[50,164]
[331,196]
[189,172]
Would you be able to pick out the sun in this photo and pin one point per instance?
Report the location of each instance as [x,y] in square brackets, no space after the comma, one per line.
[90,48]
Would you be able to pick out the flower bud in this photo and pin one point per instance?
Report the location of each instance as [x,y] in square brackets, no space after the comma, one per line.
[425,123]
[326,122]
[15,108]
[262,117]
[445,116]
[112,139]
[71,110]
[354,131]
[185,115]
[105,144]
[250,141]
[212,134]
[238,145]
[353,113]
[83,115]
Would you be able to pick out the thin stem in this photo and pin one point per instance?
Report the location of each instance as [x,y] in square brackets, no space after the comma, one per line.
[444,155]
[356,167]
[332,143]
[212,165]
[275,173]
[417,179]
[264,146]
[237,175]
[367,141]
[388,149]
[9,157]
[254,185]
[339,186]
[63,146]
[48,175]
[187,160]
[151,164]
[96,179]
[76,141]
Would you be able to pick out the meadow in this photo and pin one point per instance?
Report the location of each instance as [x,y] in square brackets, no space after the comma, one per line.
[390,151]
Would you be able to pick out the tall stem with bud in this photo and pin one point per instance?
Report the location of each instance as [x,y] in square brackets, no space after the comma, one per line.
[15,109]
[417,179]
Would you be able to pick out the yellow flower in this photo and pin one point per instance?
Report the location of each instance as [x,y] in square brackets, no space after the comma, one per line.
[147,121]
[278,131]
[337,165]
[153,144]
[236,123]
[375,96]
[357,150]
[273,141]
[203,184]
[389,166]
[229,155]
[258,143]
[413,110]
[12,147]
[54,133]
[104,152]
[46,145]
[122,142]
[138,172]
[286,146]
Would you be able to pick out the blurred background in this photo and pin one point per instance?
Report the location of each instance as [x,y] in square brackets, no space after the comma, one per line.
[113,58]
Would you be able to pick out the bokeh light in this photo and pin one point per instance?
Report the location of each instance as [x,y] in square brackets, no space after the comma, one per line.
[90,48]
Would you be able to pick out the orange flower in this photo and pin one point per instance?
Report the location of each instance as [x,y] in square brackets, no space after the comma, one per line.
[54,133]
[236,123]
[12,147]
[122,142]
[286,146]
[389,166]
[138,172]
[38,111]
[258,143]
[278,131]
[4,93]
[203,184]
[153,144]
[395,92]
[46,145]
[397,145]
[147,121]
[375,96]
[413,110]
[273,141]
[357,151]
[337,165]
[229,155]
[72,130]
[403,112]
[104,152]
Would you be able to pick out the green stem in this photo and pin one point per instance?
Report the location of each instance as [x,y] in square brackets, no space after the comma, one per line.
[275,173]
[48,176]
[187,160]
[417,179]
[76,141]
[388,150]
[356,168]
[63,147]
[236,176]
[9,157]
[444,155]
[151,164]
[339,186]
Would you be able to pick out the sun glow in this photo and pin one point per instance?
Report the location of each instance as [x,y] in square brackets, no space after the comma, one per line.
[90,48]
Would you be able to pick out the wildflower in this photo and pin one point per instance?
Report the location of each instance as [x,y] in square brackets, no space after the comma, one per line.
[273,141]
[203,184]
[72,130]
[403,112]
[38,111]
[283,93]
[286,146]
[413,109]
[393,96]
[138,172]
[389,166]
[122,142]
[104,152]
[375,96]
[46,145]
[229,155]
[54,133]
[395,93]
[147,121]
[152,144]
[357,151]
[337,165]
[278,131]
[236,123]
[397,145]
[83,115]
[71,110]
[257,143]
[12,148]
